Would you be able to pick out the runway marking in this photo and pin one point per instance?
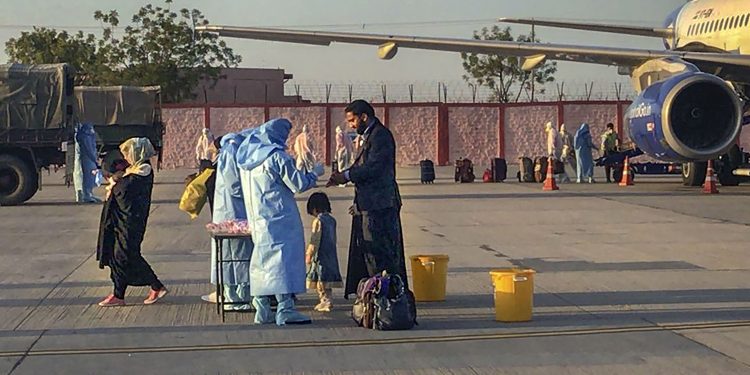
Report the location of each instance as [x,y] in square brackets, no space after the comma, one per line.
[380,341]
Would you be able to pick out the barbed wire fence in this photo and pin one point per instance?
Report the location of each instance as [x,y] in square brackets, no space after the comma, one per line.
[451,91]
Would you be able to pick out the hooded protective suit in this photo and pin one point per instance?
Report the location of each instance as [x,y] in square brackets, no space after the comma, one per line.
[554,143]
[584,160]
[204,148]
[269,181]
[568,148]
[344,150]
[303,151]
[229,205]
[84,180]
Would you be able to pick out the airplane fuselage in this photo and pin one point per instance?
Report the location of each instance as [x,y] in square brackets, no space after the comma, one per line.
[712,26]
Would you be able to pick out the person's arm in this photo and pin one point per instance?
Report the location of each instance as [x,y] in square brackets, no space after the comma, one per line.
[380,157]
[315,238]
[297,181]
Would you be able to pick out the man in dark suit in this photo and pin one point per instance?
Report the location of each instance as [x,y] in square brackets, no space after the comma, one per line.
[376,241]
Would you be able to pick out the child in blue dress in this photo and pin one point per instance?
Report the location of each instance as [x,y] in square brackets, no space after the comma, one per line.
[323,264]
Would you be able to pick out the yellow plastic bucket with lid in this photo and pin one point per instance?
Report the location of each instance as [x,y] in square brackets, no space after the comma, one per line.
[514,294]
[429,277]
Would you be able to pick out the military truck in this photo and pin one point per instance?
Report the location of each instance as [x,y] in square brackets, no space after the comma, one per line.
[36,125]
[119,113]
[39,109]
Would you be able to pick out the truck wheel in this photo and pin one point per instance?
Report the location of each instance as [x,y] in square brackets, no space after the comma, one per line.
[18,181]
[694,173]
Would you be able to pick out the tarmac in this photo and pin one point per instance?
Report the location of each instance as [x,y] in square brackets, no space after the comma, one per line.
[648,279]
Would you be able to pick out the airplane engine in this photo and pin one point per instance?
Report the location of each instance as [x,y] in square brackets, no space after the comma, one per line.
[687,117]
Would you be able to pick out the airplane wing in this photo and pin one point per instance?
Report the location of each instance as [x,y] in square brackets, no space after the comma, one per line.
[656,32]
[722,64]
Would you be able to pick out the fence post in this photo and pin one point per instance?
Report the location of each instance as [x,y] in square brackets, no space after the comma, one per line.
[443,135]
[501,131]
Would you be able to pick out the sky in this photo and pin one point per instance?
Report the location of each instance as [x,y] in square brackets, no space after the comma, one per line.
[341,63]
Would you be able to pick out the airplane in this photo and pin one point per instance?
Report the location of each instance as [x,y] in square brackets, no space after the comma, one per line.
[692,96]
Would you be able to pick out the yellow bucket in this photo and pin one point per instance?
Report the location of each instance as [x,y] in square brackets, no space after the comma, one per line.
[429,277]
[514,294]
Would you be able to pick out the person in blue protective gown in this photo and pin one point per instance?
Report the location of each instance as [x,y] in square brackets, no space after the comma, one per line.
[85,166]
[584,146]
[229,205]
[269,181]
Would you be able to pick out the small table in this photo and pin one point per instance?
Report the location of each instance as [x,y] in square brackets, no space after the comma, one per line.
[219,241]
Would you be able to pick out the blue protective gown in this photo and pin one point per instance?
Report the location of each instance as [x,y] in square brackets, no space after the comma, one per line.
[269,182]
[84,180]
[584,145]
[229,205]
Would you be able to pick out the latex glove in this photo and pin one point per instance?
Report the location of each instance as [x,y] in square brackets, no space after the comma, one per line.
[319,169]
[98,177]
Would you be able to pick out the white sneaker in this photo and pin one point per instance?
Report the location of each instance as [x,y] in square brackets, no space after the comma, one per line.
[210,298]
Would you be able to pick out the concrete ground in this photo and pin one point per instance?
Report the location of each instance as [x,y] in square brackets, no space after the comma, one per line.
[647,279]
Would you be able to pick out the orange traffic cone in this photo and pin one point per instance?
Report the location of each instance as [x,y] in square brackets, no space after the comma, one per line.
[549,182]
[627,178]
[709,187]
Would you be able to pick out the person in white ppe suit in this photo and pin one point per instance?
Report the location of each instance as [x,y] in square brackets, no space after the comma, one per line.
[344,150]
[554,150]
[568,153]
[303,151]
[270,179]
[205,152]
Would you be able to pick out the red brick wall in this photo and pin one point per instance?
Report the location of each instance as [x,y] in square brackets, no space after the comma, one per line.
[436,131]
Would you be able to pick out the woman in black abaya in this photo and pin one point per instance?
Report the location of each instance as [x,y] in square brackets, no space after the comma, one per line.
[123,225]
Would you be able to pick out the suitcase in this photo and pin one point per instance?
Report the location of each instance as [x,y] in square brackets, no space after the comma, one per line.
[499,169]
[525,169]
[427,171]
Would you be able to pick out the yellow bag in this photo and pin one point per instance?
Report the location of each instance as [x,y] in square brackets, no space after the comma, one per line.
[195,195]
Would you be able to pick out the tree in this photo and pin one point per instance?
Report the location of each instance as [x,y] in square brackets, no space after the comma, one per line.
[503,74]
[159,47]
[48,46]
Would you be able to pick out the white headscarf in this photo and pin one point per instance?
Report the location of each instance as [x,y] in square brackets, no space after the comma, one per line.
[137,152]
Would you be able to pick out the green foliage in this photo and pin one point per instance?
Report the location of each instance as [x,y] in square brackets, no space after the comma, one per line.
[158,47]
[503,74]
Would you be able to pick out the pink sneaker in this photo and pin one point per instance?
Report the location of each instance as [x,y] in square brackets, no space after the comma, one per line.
[155,295]
[111,301]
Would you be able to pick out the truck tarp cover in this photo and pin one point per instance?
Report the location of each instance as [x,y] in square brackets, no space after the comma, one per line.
[32,96]
[116,105]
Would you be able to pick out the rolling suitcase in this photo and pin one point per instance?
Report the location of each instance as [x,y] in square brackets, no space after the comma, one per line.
[427,171]
[499,170]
